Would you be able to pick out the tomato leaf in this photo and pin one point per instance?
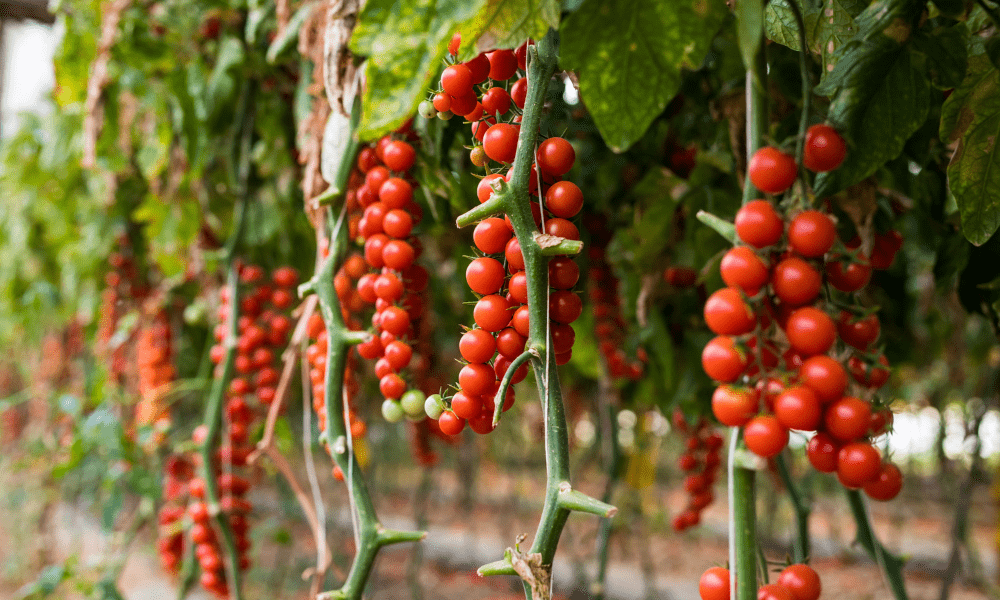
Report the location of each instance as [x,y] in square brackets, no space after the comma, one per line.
[879,98]
[946,50]
[405,41]
[971,115]
[507,24]
[829,26]
[649,42]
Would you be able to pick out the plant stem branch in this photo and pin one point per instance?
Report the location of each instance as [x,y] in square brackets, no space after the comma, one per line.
[745,522]
[757,120]
[806,84]
[890,565]
[800,544]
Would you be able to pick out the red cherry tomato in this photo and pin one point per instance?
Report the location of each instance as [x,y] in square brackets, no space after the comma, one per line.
[765,436]
[771,170]
[758,224]
[824,149]
[811,234]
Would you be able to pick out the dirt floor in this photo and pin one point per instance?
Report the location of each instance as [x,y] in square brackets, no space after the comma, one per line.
[470,522]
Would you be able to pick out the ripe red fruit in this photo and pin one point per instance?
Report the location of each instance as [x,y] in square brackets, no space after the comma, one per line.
[859,333]
[802,581]
[727,314]
[476,379]
[492,313]
[485,275]
[491,235]
[510,343]
[886,246]
[456,80]
[450,424]
[714,584]
[771,170]
[758,224]
[886,485]
[847,419]
[868,375]
[477,346]
[824,149]
[563,273]
[810,331]
[765,436]
[822,452]
[811,234]
[683,277]
[825,376]
[555,156]
[774,591]
[564,199]
[722,360]
[500,142]
[503,65]
[798,408]
[849,275]
[857,464]
[519,92]
[496,101]
[796,282]
[454,43]
[734,406]
[742,268]
[399,156]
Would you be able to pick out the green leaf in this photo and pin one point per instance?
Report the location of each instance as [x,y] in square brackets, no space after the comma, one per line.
[749,27]
[946,49]
[648,42]
[971,115]
[878,97]
[405,43]
[829,26]
[507,24]
[721,226]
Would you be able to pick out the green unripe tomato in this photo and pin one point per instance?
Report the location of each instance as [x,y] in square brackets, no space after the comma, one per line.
[412,402]
[392,411]
[427,110]
[446,115]
[434,406]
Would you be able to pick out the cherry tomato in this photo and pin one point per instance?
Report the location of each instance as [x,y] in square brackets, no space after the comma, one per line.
[741,268]
[859,333]
[734,406]
[758,224]
[727,314]
[492,313]
[824,149]
[565,306]
[563,274]
[771,170]
[867,375]
[555,156]
[491,235]
[714,584]
[500,142]
[810,331]
[503,64]
[848,418]
[485,275]
[822,451]
[799,408]
[811,234]
[825,376]
[722,360]
[454,43]
[450,423]
[564,199]
[496,101]
[765,436]
[399,156]
[849,275]
[519,92]
[796,282]
[773,591]
[857,464]
[456,80]
[886,485]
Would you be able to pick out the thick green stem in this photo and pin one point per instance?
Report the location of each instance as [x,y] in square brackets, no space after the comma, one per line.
[744,515]
[216,397]
[806,83]
[370,535]
[757,121]
[609,437]
[890,564]
[536,567]
[800,545]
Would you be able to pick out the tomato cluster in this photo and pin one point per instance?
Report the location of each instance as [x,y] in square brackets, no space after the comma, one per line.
[170,543]
[701,462]
[783,343]
[388,275]
[609,325]
[154,358]
[795,582]
[497,274]
[123,289]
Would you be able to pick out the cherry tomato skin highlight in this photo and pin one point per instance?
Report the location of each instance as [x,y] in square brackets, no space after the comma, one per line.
[822,452]
[555,156]
[733,406]
[500,142]
[491,235]
[811,234]
[825,376]
[564,199]
[714,584]
[857,464]
[741,268]
[847,419]
[810,331]
[492,313]
[771,170]
[824,149]
[798,408]
[758,224]
[727,314]
[485,275]
[796,282]
[722,360]
[477,346]
[765,436]
[886,485]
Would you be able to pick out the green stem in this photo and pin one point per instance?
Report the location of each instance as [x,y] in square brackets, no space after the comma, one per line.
[560,499]
[744,516]
[890,564]
[370,535]
[757,120]
[800,545]
[214,405]
[609,430]
[806,85]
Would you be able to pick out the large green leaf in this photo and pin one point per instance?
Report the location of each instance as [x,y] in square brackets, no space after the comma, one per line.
[405,41]
[879,98]
[946,49]
[971,115]
[829,26]
[508,23]
[629,57]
